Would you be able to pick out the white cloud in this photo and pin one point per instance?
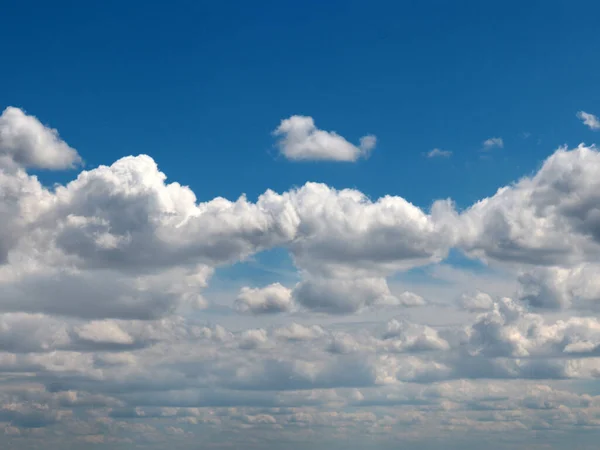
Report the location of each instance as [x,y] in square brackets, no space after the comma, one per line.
[25,141]
[439,153]
[551,218]
[98,279]
[301,140]
[476,301]
[342,296]
[274,298]
[493,142]
[590,120]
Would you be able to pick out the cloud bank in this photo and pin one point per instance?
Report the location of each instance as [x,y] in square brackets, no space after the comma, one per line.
[111,336]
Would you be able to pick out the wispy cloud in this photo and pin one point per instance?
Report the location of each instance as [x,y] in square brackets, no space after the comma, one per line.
[590,120]
[439,153]
[493,142]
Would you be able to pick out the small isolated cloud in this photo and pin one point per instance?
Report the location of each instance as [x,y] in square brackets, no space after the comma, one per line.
[590,120]
[26,142]
[476,301]
[493,142]
[301,140]
[271,299]
[439,153]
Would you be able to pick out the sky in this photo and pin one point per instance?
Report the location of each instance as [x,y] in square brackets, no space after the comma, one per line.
[329,225]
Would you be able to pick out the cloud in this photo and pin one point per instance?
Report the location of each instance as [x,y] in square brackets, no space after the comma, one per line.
[558,288]
[551,218]
[438,153]
[26,142]
[301,140]
[102,332]
[493,142]
[476,301]
[274,298]
[590,120]
[342,296]
[404,336]
[298,332]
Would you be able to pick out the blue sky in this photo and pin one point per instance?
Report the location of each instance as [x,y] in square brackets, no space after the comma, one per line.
[200,86]
[343,302]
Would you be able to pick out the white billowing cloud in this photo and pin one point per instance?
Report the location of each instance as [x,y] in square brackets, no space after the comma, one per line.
[439,153]
[552,218]
[301,140]
[510,331]
[343,295]
[405,336]
[590,120]
[575,287]
[342,233]
[410,299]
[476,301]
[493,142]
[251,339]
[274,298]
[126,215]
[26,142]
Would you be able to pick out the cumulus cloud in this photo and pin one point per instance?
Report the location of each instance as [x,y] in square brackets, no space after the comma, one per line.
[493,142]
[26,142]
[476,301]
[439,153]
[590,120]
[274,298]
[404,336]
[576,287]
[550,218]
[301,140]
[341,296]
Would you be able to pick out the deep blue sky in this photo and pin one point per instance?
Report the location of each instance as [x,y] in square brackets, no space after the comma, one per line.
[200,85]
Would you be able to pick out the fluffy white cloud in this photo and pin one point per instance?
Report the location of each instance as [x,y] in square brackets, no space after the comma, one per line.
[575,287]
[343,233]
[476,301]
[551,218]
[493,142]
[439,153]
[343,295]
[26,142]
[274,298]
[404,336]
[590,120]
[301,140]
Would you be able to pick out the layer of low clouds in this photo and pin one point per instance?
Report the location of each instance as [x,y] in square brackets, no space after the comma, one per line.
[110,334]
